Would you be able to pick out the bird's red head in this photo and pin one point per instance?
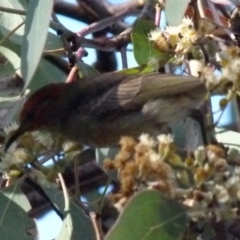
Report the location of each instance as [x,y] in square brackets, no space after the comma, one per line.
[40,110]
[40,107]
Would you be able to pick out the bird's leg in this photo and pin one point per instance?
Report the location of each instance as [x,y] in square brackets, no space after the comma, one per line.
[199,116]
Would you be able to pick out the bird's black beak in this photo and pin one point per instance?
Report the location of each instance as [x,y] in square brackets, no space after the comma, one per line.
[20,131]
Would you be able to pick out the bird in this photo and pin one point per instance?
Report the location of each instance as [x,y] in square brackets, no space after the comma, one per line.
[98,110]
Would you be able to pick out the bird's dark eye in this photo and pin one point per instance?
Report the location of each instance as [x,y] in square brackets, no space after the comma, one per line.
[29,116]
[26,117]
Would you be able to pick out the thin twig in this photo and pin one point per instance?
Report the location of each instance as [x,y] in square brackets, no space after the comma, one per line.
[94,220]
[8,182]
[103,23]
[66,43]
[103,195]
[57,52]
[80,53]
[72,75]
[65,192]
[124,57]
[76,179]
[216,17]
[11,33]
[130,4]
[14,11]
[100,207]
[158,15]
[58,26]
[146,11]
[201,9]
[2,180]
[104,44]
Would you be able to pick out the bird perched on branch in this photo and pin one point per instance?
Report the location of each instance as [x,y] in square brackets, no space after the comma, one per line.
[98,110]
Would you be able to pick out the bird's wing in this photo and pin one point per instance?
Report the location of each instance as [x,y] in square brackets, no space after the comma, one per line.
[165,85]
[117,98]
[134,91]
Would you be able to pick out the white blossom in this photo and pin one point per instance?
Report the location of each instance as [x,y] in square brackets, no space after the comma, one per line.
[155,34]
[222,194]
[165,138]
[154,157]
[44,138]
[11,128]
[147,140]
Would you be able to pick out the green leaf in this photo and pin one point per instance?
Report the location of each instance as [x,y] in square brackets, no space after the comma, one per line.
[85,70]
[12,111]
[76,224]
[13,214]
[46,73]
[8,21]
[35,34]
[143,48]
[175,10]
[11,56]
[11,45]
[103,153]
[228,138]
[150,216]
[53,42]
[8,100]
[56,196]
[144,69]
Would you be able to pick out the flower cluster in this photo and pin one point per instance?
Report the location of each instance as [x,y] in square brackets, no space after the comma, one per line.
[215,192]
[228,80]
[230,70]
[27,150]
[140,165]
[207,181]
[176,39]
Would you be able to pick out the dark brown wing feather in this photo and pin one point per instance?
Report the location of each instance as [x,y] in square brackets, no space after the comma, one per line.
[133,91]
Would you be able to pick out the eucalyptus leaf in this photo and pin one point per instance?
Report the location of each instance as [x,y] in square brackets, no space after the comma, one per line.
[145,68]
[11,45]
[56,197]
[86,70]
[9,21]
[6,70]
[7,101]
[53,42]
[35,34]
[149,216]
[11,56]
[76,224]
[175,10]
[228,138]
[14,220]
[143,48]
[10,113]
[45,74]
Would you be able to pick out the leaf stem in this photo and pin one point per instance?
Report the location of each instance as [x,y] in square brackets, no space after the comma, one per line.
[11,33]
[14,11]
